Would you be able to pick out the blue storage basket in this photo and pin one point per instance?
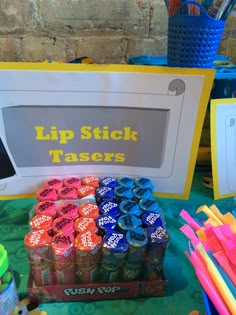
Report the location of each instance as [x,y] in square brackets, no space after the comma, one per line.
[193,40]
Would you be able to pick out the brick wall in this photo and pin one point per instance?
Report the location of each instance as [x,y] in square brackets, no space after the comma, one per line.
[108,31]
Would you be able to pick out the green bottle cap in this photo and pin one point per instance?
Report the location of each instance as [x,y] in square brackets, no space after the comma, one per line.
[3,260]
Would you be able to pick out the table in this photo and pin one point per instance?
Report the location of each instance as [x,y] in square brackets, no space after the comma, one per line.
[184,293]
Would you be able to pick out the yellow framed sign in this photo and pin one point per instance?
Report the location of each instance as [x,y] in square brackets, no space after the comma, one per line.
[223,147]
[64,119]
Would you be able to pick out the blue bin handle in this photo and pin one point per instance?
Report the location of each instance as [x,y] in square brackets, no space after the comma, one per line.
[186,3]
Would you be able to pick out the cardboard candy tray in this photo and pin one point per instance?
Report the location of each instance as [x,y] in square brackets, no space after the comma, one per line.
[99,291]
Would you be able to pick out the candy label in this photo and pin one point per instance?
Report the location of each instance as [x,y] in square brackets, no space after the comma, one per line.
[61,223]
[152,217]
[108,206]
[114,239]
[39,220]
[106,220]
[103,191]
[159,233]
[45,192]
[107,181]
[35,237]
[67,190]
[82,224]
[137,236]
[45,205]
[86,239]
[73,180]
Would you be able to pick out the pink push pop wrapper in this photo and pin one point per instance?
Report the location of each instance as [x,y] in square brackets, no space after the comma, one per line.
[54,183]
[68,193]
[72,182]
[41,222]
[92,181]
[69,209]
[63,256]
[85,191]
[83,224]
[47,194]
[89,210]
[63,225]
[46,207]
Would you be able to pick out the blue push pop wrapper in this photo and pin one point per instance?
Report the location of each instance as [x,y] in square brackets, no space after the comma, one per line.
[114,249]
[155,252]
[104,194]
[109,207]
[123,193]
[108,182]
[142,193]
[115,242]
[149,205]
[125,181]
[143,182]
[128,222]
[152,219]
[106,222]
[131,207]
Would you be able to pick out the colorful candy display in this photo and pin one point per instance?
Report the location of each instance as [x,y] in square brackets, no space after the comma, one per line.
[93,230]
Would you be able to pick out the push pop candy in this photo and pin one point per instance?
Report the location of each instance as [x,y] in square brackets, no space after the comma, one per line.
[63,257]
[131,207]
[122,193]
[152,219]
[72,182]
[63,225]
[68,193]
[137,240]
[85,191]
[125,181]
[41,222]
[69,209]
[157,245]
[114,251]
[149,205]
[37,243]
[89,210]
[83,224]
[142,193]
[46,207]
[143,182]
[104,194]
[128,222]
[108,182]
[109,207]
[106,222]
[88,252]
[54,183]
[92,181]
[47,194]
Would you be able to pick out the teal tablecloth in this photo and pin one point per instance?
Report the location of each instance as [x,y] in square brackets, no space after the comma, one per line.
[183,291]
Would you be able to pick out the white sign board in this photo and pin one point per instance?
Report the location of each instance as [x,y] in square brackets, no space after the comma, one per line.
[61,120]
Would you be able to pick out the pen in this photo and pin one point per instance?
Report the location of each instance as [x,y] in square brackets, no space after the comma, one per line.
[228,10]
[215,8]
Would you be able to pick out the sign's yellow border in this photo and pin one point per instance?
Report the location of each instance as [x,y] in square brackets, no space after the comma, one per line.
[208,75]
[215,175]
